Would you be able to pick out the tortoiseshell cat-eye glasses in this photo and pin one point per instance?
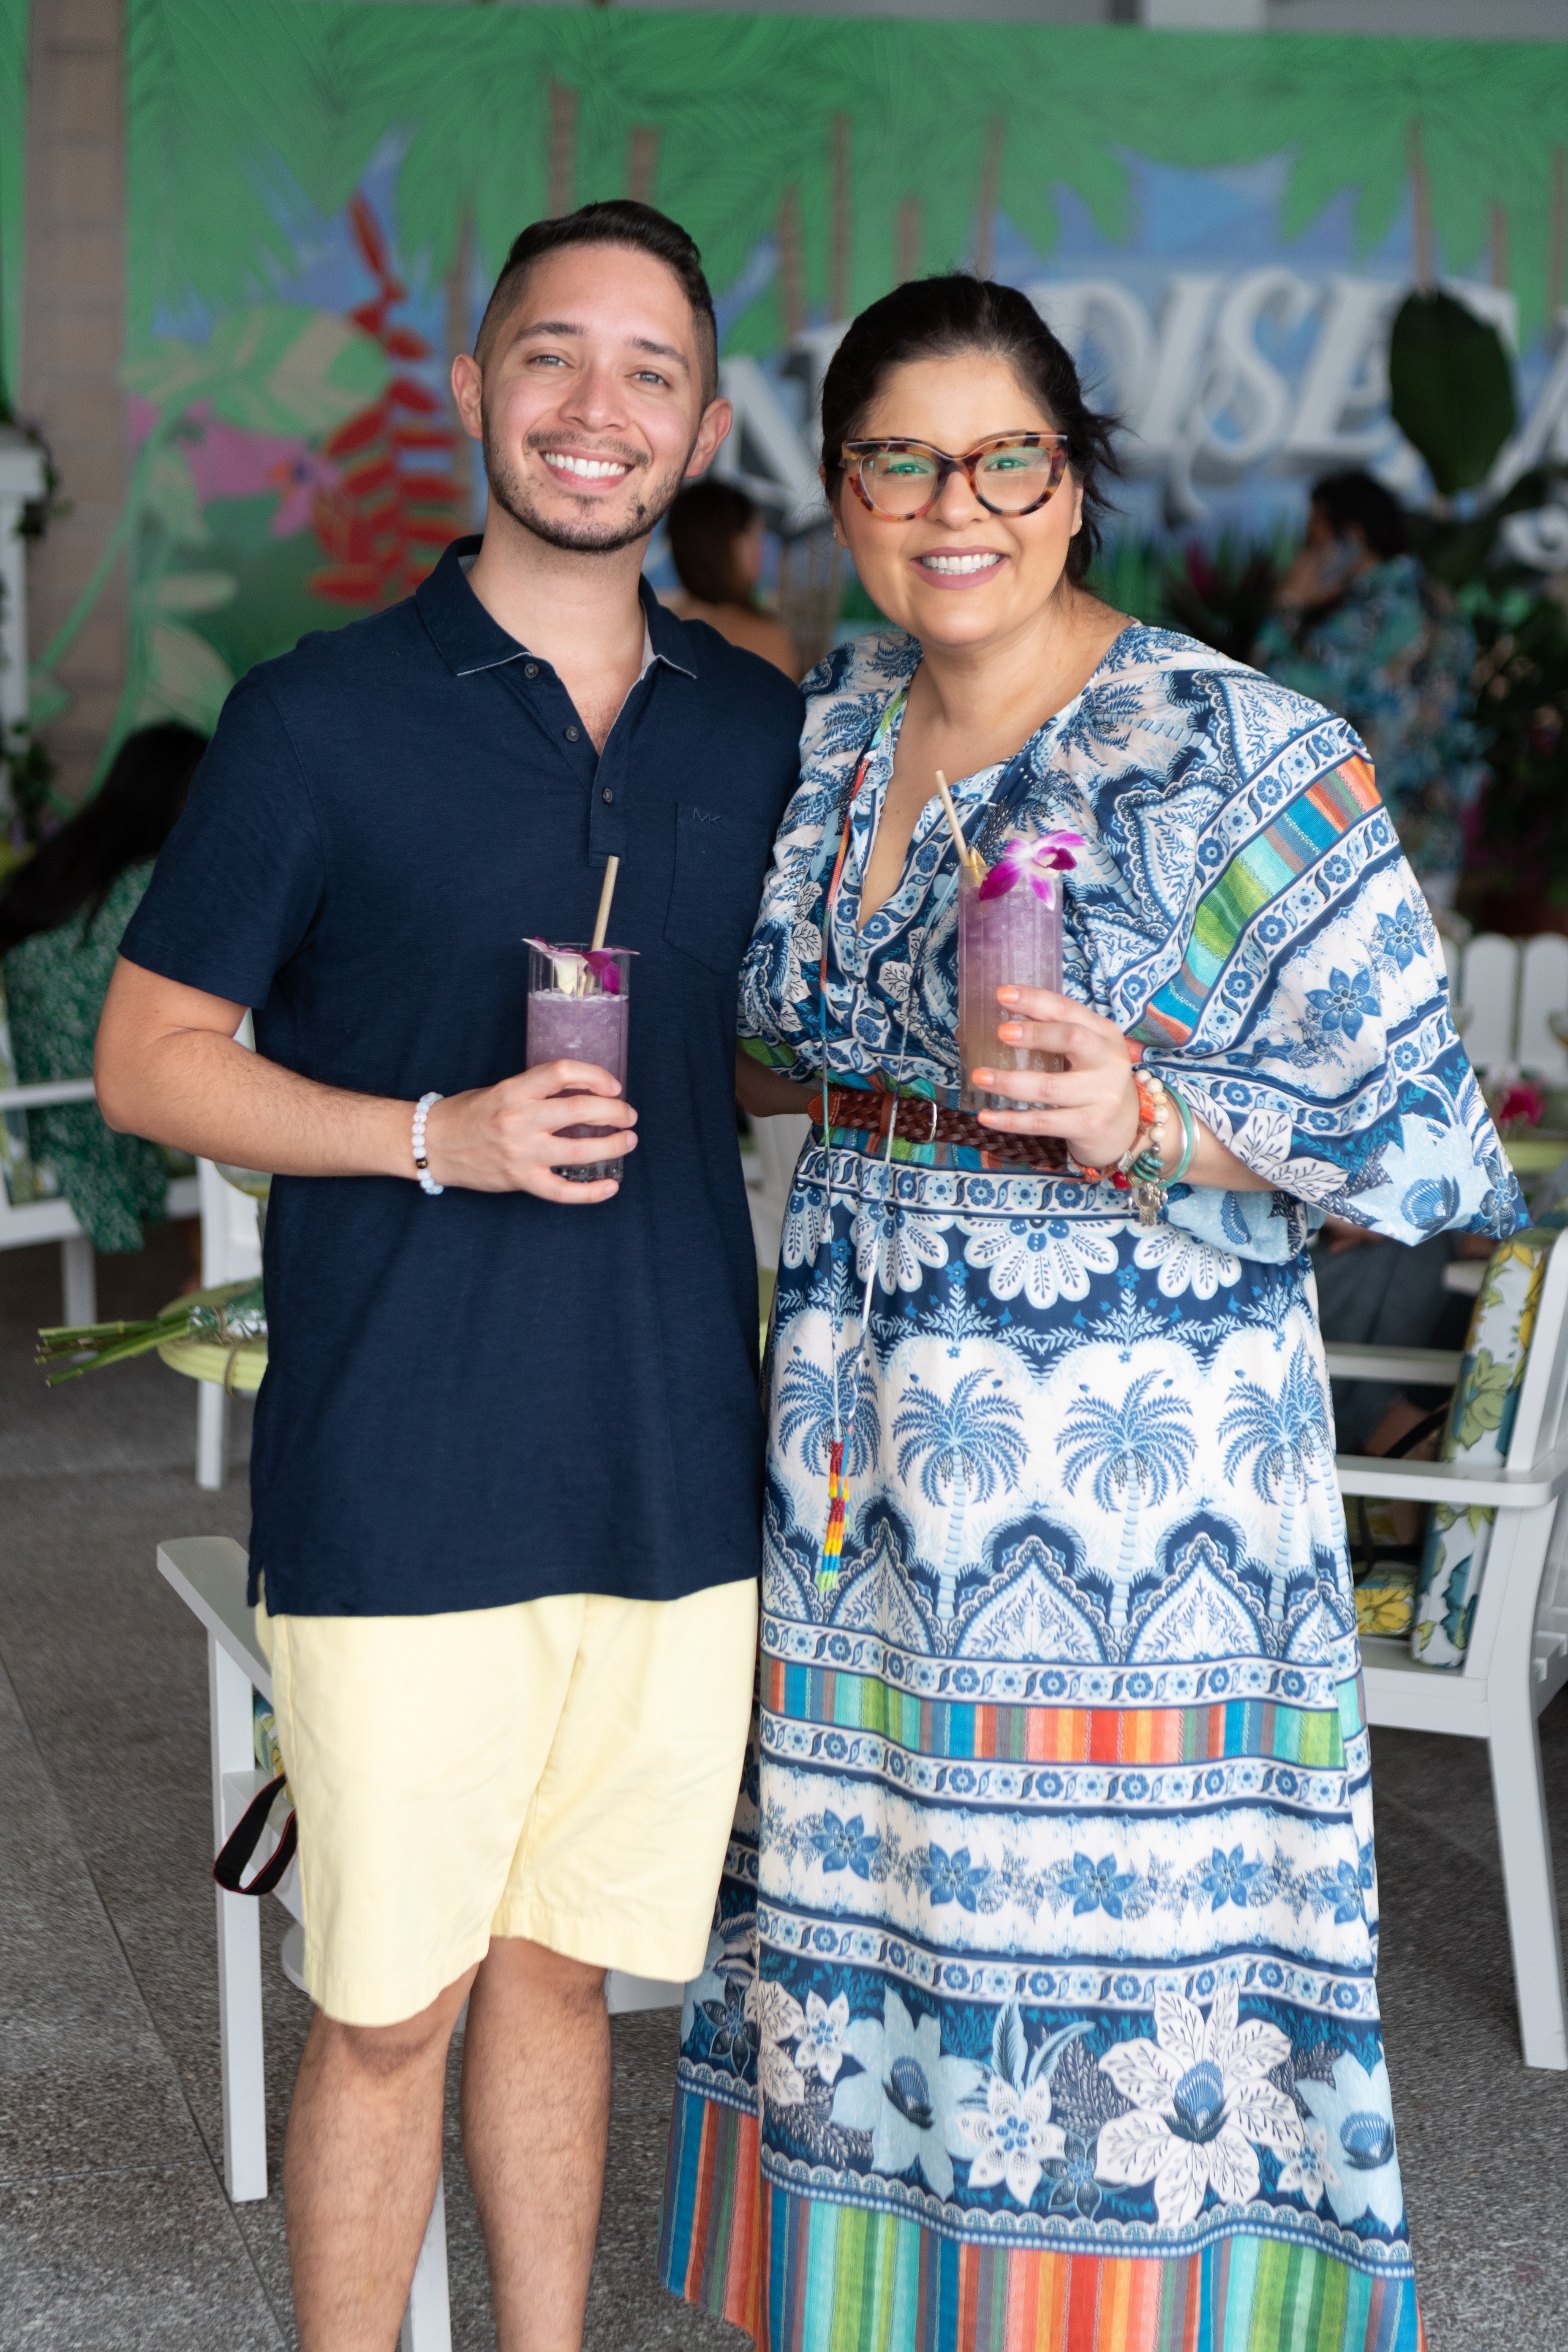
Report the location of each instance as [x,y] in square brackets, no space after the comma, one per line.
[1011,474]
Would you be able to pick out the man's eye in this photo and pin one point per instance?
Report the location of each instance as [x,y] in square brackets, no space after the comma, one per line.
[547,359]
[650,375]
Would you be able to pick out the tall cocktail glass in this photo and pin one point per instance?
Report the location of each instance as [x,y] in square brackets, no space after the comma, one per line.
[1013,939]
[577,1012]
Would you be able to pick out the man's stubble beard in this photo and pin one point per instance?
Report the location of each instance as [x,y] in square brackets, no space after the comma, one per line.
[510,490]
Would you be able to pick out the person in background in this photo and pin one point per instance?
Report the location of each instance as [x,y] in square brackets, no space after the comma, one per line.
[61,924]
[716,539]
[1359,627]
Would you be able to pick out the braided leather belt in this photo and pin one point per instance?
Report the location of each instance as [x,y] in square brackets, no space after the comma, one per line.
[915,1118]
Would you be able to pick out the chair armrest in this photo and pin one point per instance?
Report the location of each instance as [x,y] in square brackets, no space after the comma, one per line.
[57,1090]
[1453,1483]
[1418,1367]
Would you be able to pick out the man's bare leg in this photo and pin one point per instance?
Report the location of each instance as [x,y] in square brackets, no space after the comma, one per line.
[359,2167]
[536,2115]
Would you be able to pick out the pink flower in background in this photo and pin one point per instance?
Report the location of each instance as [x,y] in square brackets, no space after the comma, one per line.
[299,476]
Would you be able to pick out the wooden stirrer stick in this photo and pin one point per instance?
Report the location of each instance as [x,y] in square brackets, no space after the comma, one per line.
[966,857]
[602,921]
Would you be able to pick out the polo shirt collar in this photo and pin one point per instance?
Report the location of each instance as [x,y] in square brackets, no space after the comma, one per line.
[469,639]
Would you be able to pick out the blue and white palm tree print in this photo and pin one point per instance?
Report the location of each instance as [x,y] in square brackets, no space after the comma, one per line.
[1060,1854]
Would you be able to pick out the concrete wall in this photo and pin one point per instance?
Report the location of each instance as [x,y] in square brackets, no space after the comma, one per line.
[72,335]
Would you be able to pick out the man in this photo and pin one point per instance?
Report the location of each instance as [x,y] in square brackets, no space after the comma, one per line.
[506,1471]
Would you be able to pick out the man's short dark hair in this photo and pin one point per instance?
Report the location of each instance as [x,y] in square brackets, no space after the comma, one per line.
[621,221]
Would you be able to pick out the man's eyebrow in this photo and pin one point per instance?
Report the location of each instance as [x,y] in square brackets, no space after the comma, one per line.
[638,342]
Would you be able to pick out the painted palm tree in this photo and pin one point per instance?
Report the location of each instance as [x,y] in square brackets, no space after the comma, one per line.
[1137,1450]
[1282,1432]
[805,1411]
[967,1444]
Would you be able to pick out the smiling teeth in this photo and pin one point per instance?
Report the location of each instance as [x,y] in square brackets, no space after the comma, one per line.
[592,469]
[957,563]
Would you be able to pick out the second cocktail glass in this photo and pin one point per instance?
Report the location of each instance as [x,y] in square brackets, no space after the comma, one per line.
[1013,939]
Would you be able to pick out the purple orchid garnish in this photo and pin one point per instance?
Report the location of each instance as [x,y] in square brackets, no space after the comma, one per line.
[605,970]
[1037,861]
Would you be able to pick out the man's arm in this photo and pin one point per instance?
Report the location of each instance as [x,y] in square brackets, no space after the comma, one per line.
[167,1067]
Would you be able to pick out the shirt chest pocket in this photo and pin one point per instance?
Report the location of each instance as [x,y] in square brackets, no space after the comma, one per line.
[719,862]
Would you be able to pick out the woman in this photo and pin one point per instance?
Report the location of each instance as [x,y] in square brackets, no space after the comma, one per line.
[717,541]
[1358,625]
[61,921]
[1050,1928]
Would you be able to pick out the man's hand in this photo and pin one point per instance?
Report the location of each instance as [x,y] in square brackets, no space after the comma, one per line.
[509,1138]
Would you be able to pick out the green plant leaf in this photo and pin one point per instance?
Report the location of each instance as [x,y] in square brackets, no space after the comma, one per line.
[1450,388]
[196,592]
[278,367]
[186,678]
[172,498]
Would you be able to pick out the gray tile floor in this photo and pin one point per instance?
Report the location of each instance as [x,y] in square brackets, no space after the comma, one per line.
[115,2233]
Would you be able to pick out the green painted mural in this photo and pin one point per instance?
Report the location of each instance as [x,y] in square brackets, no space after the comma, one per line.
[321,192]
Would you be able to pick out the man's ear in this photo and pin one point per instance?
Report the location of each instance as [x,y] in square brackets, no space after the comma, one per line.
[467,390]
[715,430]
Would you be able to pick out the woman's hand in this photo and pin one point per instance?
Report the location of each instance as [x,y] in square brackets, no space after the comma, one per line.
[1092,1104]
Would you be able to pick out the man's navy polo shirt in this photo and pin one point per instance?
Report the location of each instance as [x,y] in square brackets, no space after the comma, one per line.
[487,1397]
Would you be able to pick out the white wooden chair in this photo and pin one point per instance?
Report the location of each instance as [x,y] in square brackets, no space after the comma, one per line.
[1517,1661]
[49,1219]
[231,1251]
[208,1572]
[768,1166]
[1505,992]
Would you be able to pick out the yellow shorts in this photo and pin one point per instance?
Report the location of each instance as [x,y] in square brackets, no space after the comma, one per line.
[565,1769]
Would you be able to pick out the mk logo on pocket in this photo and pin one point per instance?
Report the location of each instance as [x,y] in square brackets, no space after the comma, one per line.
[704,816]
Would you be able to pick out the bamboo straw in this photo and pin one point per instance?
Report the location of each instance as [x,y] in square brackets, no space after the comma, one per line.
[602,921]
[966,857]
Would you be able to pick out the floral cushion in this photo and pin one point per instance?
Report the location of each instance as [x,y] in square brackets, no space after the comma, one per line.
[24,1180]
[1480,1424]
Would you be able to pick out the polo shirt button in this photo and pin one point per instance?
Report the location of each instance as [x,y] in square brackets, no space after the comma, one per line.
[607,796]
[571,734]
[530,669]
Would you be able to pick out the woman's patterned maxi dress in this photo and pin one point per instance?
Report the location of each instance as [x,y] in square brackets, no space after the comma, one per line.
[1048,1930]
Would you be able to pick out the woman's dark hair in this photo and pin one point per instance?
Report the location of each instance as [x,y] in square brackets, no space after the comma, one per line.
[1356,501]
[704,526]
[943,317]
[127,821]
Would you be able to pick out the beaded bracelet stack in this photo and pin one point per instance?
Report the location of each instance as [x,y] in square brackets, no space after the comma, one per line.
[1141,1169]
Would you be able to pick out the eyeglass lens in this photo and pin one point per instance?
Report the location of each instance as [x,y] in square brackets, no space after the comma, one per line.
[1010,477]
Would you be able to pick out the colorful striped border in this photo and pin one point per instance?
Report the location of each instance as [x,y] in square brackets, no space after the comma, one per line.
[1305,830]
[803,2276]
[1313,1738]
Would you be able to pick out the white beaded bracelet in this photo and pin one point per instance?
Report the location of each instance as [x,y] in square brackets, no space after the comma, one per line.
[421,1110]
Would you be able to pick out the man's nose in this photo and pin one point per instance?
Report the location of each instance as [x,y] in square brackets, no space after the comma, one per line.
[594,400]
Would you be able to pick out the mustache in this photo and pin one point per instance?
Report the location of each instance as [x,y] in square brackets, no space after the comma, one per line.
[571,446]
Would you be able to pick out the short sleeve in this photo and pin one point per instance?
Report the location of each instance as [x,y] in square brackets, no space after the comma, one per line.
[240,879]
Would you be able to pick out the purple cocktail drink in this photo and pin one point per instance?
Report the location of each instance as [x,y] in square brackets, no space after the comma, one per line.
[1011,939]
[577,1007]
